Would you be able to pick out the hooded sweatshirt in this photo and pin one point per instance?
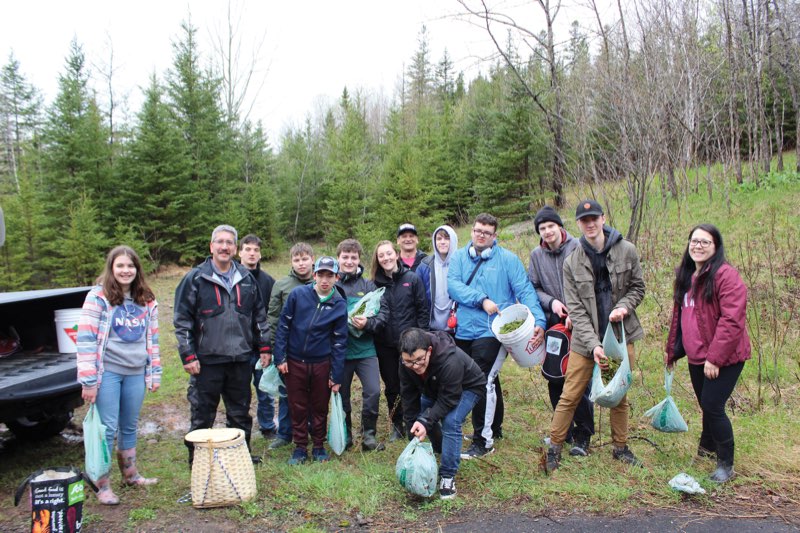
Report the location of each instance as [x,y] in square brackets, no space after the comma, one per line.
[435,279]
[602,286]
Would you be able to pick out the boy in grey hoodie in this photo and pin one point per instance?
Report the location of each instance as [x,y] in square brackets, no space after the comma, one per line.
[433,271]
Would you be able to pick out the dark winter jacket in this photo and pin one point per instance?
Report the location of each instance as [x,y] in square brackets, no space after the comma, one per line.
[312,331]
[280,293]
[406,302]
[450,372]
[546,272]
[721,322]
[265,283]
[216,326]
[355,287]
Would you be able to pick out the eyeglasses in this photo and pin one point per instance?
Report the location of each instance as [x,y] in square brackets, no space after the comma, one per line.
[415,363]
[481,233]
[700,243]
[224,242]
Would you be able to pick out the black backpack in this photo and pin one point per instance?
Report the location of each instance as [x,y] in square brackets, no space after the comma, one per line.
[556,341]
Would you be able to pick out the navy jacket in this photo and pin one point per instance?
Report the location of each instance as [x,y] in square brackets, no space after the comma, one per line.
[311,331]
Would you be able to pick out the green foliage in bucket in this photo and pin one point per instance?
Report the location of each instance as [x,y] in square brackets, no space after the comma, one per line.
[508,327]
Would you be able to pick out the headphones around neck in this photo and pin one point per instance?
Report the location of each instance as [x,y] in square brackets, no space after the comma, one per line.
[486,254]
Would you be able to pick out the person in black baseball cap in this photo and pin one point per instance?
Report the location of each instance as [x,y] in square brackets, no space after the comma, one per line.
[407,241]
[588,208]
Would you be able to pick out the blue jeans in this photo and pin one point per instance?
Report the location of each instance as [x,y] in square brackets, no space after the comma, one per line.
[451,431]
[119,400]
[265,412]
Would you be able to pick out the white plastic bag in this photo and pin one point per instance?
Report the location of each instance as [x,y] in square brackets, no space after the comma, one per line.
[611,393]
[665,415]
[416,468]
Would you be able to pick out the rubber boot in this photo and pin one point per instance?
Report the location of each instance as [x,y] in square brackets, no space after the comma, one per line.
[369,440]
[348,422]
[723,473]
[105,495]
[130,474]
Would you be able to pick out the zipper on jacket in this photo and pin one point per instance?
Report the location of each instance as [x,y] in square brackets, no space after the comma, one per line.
[313,319]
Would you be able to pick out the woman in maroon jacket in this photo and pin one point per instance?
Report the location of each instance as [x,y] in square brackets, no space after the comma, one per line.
[708,327]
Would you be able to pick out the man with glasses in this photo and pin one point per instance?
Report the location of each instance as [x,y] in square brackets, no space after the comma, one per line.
[220,321]
[440,385]
[603,283]
[483,279]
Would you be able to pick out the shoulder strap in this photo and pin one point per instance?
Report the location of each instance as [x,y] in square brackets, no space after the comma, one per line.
[469,280]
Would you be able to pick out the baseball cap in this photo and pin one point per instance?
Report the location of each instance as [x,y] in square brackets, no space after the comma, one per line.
[326,262]
[407,227]
[588,208]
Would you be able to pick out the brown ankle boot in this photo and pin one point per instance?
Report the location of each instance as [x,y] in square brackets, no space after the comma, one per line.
[127,465]
[105,495]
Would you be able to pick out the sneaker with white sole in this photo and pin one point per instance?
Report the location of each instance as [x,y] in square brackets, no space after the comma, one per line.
[476,450]
[447,488]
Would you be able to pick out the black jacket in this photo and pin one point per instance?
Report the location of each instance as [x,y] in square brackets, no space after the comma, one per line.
[406,301]
[215,326]
[450,372]
[264,282]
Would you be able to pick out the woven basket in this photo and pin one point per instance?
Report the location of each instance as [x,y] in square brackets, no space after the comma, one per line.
[222,471]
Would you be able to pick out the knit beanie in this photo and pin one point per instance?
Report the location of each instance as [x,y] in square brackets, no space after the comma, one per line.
[546,214]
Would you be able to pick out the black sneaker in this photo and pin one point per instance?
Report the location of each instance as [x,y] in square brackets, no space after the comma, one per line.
[268,434]
[447,488]
[476,450]
[256,459]
[626,456]
[552,459]
[580,448]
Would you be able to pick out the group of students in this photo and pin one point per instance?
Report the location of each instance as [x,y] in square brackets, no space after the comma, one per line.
[430,343]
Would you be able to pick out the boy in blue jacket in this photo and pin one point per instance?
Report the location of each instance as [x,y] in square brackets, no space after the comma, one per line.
[309,351]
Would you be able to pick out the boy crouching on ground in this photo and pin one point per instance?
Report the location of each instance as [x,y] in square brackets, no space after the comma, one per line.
[309,352]
[439,384]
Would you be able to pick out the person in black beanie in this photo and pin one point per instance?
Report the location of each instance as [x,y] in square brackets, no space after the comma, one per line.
[546,272]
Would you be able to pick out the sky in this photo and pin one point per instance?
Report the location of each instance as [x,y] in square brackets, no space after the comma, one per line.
[308,51]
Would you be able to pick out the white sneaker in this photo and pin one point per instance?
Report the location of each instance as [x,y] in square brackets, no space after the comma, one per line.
[447,488]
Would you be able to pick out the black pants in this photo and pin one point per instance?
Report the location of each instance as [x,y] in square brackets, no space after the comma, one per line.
[484,352]
[582,426]
[389,365]
[713,394]
[231,381]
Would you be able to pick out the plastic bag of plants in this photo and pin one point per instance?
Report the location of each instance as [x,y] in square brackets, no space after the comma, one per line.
[610,393]
[368,306]
[271,381]
[416,468]
[665,415]
[97,455]
[337,429]
[56,496]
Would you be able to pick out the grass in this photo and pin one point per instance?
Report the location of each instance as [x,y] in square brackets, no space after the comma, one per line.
[359,489]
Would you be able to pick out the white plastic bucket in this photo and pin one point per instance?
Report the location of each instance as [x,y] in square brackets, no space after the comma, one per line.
[67,329]
[519,343]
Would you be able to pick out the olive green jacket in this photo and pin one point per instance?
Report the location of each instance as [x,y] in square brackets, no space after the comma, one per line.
[627,290]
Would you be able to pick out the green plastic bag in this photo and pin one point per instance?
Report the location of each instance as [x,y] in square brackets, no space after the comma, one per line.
[610,394]
[97,454]
[371,303]
[416,468]
[665,416]
[337,429]
[271,381]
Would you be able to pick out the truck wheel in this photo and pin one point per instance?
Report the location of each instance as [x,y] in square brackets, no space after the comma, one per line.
[33,430]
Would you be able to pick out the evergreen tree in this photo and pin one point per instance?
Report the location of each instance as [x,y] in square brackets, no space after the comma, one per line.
[153,185]
[196,110]
[84,245]
[20,105]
